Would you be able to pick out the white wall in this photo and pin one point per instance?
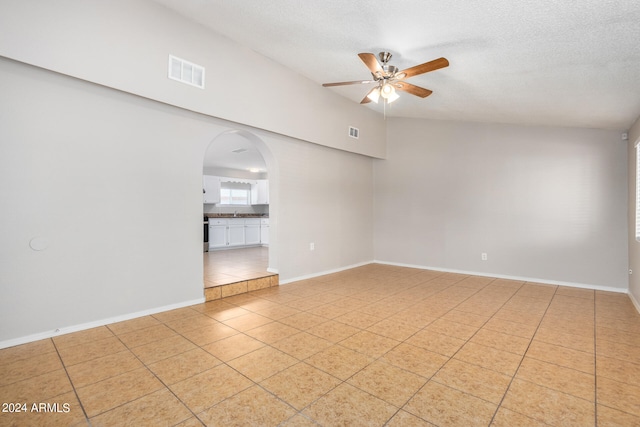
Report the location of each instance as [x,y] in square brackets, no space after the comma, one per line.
[634,246]
[113,183]
[125,44]
[543,203]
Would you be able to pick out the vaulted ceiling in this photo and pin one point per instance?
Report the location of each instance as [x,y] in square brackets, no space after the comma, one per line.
[533,62]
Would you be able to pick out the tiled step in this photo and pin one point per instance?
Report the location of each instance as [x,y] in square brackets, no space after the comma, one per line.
[241,287]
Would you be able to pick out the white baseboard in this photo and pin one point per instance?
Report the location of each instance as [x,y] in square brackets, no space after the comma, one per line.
[634,301]
[503,276]
[83,326]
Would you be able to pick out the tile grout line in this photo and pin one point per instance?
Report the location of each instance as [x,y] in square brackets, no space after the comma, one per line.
[73,386]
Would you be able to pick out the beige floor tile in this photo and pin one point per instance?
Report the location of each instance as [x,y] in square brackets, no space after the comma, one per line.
[562,356]
[438,343]
[628,353]
[115,391]
[272,332]
[512,328]
[234,346]
[518,317]
[333,331]
[387,382]
[415,359]
[413,318]
[452,329]
[508,418]
[300,384]
[329,311]
[609,417]
[277,312]
[81,337]
[22,369]
[251,407]
[393,329]
[159,408]
[405,419]
[475,380]
[303,321]
[126,326]
[302,345]
[548,406]
[183,365]
[622,396]
[617,335]
[99,369]
[210,387]
[207,335]
[90,350]
[192,322]
[226,312]
[368,343]
[619,370]
[179,313]
[26,351]
[569,340]
[247,321]
[358,320]
[501,341]
[40,388]
[339,361]
[444,406]
[558,378]
[465,318]
[147,335]
[262,363]
[162,349]
[489,357]
[347,406]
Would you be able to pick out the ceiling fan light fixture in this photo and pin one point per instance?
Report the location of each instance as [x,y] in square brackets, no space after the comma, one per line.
[374,95]
[392,97]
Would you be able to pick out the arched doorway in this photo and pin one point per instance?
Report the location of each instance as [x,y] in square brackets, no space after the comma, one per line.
[238,173]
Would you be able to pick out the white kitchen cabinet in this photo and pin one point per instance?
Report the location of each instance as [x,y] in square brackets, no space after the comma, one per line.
[252,231]
[217,233]
[260,192]
[264,231]
[236,232]
[210,189]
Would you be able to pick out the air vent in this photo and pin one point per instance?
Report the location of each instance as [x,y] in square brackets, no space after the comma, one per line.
[354,132]
[186,72]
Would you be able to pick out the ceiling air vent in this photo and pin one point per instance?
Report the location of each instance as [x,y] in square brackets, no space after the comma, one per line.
[186,72]
[354,132]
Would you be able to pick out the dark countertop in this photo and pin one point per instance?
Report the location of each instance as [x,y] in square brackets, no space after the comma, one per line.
[219,215]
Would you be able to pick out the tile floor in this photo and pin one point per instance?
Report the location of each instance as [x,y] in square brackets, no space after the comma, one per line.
[222,267]
[376,345]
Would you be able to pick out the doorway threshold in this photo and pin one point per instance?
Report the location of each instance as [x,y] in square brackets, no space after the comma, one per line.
[241,287]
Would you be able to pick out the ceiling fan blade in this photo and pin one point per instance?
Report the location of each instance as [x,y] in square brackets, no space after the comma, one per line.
[371,62]
[355,82]
[413,89]
[436,64]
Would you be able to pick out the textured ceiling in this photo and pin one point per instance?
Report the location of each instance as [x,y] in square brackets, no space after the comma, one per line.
[536,62]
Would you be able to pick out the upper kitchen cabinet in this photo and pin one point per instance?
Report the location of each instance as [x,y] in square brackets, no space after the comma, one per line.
[211,189]
[260,192]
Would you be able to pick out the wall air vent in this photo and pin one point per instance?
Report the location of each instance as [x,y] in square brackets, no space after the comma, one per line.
[354,132]
[186,72]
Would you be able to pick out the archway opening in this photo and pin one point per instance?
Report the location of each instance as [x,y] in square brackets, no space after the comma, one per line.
[237,206]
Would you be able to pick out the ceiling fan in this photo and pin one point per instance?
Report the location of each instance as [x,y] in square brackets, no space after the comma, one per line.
[389,78]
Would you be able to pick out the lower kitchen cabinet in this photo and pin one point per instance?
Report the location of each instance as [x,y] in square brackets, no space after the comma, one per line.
[235,232]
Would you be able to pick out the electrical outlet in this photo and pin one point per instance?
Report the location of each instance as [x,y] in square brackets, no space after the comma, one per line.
[483,255]
[312,246]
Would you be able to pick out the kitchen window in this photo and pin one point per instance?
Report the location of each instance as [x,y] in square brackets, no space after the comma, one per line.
[235,193]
